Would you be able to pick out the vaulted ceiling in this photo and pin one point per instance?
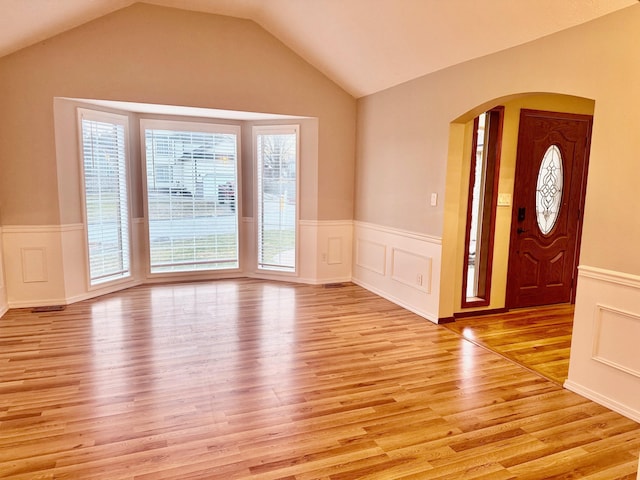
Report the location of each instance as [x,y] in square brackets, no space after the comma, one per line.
[363,45]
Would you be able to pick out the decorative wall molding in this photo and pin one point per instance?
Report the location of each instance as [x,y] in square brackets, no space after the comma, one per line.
[402,233]
[324,223]
[372,256]
[4,303]
[334,250]
[325,251]
[609,276]
[604,365]
[47,265]
[34,264]
[403,263]
[401,266]
[609,347]
[13,229]
[32,257]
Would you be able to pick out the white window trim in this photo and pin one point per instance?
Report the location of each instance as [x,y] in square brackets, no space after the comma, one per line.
[274,130]
[188,126]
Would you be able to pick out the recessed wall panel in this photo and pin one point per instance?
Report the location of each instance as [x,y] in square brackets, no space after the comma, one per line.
[616,339]
[411,269]
[334,255]
[372,256]
[34,264]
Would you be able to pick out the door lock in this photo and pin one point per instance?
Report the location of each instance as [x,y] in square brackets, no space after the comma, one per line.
[521,214]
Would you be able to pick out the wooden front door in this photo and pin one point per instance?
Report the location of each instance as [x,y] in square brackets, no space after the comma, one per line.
[548,199]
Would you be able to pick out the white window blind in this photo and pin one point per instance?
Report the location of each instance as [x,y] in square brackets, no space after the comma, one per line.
[277,189]
[192,197]
[105,195]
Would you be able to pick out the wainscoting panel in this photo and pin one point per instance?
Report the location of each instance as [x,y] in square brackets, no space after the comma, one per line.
[325,251]
[47,265]
[604,364]
[334,251]
[612,349]
[4,303]
[371,256]
[410,269]
[33,265]
[401,266]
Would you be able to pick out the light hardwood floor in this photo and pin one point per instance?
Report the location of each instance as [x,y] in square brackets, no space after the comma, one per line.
[538,338]
[250,379]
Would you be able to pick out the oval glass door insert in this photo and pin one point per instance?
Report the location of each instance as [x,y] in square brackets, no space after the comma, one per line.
[549,189]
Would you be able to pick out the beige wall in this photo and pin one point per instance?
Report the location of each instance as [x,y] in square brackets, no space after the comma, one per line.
[403,133]
[159,55]
[408,144]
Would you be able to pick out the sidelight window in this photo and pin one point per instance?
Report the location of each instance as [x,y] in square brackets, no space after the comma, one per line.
[481,208]
[277,197]
[104,162]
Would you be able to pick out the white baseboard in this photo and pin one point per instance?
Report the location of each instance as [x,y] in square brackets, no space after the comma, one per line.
[295,279]
[45,302]
[603,400]
[103,291]
[50,302]
[395,300]
[323,281]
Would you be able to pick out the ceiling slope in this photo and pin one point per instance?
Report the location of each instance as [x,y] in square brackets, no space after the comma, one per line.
[363,45]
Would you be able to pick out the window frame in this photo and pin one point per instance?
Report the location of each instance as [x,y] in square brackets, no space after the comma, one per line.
[489,195]
[116,119]
[272,129]
[201,127]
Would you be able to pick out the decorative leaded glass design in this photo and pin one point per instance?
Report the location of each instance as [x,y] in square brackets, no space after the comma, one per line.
[549,189]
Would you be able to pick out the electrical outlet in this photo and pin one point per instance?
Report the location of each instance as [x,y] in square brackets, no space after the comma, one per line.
[419,279]
[324,257]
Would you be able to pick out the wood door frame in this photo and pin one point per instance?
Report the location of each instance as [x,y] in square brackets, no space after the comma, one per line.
[494,150]
[509,297]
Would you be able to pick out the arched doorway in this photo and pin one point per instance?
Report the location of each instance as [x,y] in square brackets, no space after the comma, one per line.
[456,228]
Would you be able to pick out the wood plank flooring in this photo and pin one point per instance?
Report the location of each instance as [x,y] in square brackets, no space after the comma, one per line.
[538,338]
[241,379]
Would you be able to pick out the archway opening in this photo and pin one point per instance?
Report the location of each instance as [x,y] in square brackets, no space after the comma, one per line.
[454,300]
